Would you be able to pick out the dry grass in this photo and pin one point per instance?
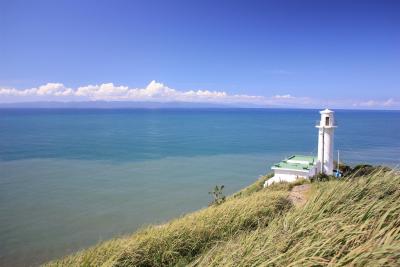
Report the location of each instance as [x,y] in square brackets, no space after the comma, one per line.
[254,187]
[181,240]
[355,222]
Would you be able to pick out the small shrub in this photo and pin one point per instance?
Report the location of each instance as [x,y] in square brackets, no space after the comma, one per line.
[361,170]
[344,169]
[218,196]
[366,169]
[322,177]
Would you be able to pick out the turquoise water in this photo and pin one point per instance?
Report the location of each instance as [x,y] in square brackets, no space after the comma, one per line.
[71,178]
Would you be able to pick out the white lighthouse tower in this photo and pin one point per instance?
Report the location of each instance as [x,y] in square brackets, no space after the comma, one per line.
[326,128]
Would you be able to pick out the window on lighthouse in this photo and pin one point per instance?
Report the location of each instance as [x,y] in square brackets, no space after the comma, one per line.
[327,121]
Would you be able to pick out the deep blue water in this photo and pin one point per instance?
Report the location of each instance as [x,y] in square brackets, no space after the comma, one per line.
[71,178]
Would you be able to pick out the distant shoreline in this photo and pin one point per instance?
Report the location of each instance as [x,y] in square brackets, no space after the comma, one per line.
[157,105]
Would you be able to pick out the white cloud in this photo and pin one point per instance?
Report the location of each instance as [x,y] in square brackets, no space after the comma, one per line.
[287,96]
[369,103]
[51,89]
[154,91]
[106,91]
[159,92]
[389,103]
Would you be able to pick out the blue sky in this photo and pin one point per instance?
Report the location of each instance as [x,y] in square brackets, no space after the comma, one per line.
[273,53]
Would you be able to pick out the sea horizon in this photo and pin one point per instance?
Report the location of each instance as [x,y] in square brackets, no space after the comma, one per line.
[145,105]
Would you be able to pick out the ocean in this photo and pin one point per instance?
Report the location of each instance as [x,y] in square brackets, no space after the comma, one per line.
[70,178]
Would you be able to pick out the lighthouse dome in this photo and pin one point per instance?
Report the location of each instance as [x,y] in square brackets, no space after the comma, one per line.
[326,111]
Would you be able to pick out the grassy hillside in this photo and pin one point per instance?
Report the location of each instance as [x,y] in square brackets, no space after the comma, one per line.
[183,239]
[352,222]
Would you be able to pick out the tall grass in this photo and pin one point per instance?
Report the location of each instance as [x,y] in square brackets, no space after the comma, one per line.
[180,241]
[354,222]
[350,223]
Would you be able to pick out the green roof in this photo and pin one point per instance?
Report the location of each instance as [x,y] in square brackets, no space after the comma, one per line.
[309,163]
[310,159]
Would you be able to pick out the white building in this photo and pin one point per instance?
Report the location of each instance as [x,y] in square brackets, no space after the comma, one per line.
[298,166]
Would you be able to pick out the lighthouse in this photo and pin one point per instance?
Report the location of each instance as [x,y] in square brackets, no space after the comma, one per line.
[305,166]
[326,127]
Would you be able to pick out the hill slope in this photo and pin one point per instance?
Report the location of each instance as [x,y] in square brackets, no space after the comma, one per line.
[352,222]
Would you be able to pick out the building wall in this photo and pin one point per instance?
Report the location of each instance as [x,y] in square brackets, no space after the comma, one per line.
[289,176]
[320,148]
[328,155]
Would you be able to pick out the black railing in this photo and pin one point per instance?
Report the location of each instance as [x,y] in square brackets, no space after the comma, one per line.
[334,123]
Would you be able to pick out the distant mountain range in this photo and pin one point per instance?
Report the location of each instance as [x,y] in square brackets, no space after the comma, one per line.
[122,104]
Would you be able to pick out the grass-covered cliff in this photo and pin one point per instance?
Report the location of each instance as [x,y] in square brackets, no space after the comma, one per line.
[351,222]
